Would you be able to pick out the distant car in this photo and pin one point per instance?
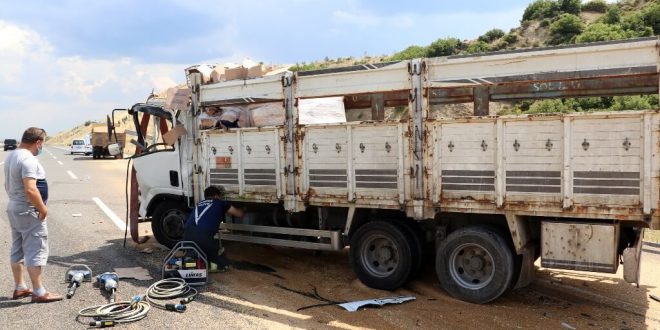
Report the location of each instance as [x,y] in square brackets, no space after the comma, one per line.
[79,146]
[10,144]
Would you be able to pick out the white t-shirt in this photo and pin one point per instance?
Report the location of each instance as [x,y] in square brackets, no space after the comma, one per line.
[20,164]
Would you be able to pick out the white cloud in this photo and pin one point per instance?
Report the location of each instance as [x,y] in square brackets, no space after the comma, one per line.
[18,46]
[38,88]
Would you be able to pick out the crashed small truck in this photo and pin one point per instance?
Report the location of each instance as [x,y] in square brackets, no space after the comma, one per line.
[484,196]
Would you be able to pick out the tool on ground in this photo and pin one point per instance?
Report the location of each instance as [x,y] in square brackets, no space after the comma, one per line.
[186,261]
[75,275]
[114,313]
[108,281]
[169,289]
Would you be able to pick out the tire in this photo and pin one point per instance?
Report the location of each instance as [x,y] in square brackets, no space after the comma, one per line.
[475,264]
[381,255]
[415,243]
[167,222]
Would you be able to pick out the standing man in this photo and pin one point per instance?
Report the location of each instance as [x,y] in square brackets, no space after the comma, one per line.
[204,222]
[27,215]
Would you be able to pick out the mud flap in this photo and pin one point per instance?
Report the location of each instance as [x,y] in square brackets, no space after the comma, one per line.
[632,260]
[526,268]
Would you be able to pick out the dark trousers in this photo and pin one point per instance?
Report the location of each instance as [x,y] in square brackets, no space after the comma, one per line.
[208,244]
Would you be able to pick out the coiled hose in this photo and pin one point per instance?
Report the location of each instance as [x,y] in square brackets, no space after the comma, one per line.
[109,315]
[168,289]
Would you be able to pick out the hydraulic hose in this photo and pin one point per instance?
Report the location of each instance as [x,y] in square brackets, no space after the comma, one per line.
[109,315]
[169,289]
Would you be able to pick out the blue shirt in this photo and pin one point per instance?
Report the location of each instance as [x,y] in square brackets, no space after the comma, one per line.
[207,215]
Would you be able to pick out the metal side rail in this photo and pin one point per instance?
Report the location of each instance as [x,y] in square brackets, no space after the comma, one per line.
[335,237]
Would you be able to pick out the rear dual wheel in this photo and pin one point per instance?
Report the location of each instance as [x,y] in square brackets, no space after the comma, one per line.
[475,264]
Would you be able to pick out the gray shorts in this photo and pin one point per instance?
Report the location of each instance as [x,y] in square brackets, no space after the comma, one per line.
[29,238]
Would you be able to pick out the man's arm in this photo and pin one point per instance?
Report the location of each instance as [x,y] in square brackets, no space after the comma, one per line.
[34,197]
[235,212]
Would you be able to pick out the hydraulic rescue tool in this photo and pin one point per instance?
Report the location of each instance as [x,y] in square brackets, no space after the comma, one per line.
[75,275]
[108,281]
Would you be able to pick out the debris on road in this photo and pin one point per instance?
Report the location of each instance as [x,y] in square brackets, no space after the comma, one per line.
[654,297]
[147,250]
[355,305]
[76,215]
[138,273]
[567,326]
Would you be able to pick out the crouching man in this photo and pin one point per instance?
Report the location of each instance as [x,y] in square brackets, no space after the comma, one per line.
[204,222]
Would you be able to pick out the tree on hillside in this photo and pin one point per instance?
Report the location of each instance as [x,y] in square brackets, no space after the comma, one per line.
[570,6]
[612,15]
[491,35]
[635,26]
[651,16]
[477,47]
[410,53]
[595,6]
[565,28]
[444,47]
[601,32]
[540,9]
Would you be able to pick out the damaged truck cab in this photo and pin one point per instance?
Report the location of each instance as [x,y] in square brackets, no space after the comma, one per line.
[488,195]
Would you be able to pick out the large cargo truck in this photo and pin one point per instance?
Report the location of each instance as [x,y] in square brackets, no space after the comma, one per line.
[102,139]
[488,195]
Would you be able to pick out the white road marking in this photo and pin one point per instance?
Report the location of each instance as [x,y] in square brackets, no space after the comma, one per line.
[59,162]
[118,222]
[73,176]
[54,157]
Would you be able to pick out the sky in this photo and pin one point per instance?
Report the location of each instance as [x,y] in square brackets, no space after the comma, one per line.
[68,61]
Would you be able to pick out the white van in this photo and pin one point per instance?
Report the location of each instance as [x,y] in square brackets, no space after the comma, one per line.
[80,146]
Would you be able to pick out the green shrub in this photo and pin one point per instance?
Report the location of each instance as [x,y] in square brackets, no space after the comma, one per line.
[478,47]
[545,22]
[410,53]
[651,15]
[491,35]
[635,26]
[551,106]
[541,9]
[565,28]
[612,16]
[595,6]
[510,38]
[570,6]
[631,103]
[444,47]
[601,32]
[594,103]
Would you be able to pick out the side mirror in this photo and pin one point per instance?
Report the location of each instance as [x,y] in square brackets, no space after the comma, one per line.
[114,149]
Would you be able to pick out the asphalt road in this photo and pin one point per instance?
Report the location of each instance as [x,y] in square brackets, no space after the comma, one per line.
[251,295]
[81,233]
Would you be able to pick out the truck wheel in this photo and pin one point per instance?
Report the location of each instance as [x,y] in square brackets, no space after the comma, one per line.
[167,222]
[474,264]
[416,245]
[381,255]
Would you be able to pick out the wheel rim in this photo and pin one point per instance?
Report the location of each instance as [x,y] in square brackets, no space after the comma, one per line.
[380,255]
[173,224]
[471,266]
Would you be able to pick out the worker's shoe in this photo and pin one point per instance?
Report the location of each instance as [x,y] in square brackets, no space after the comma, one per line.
[18,294]
[48,297]
[214,268]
